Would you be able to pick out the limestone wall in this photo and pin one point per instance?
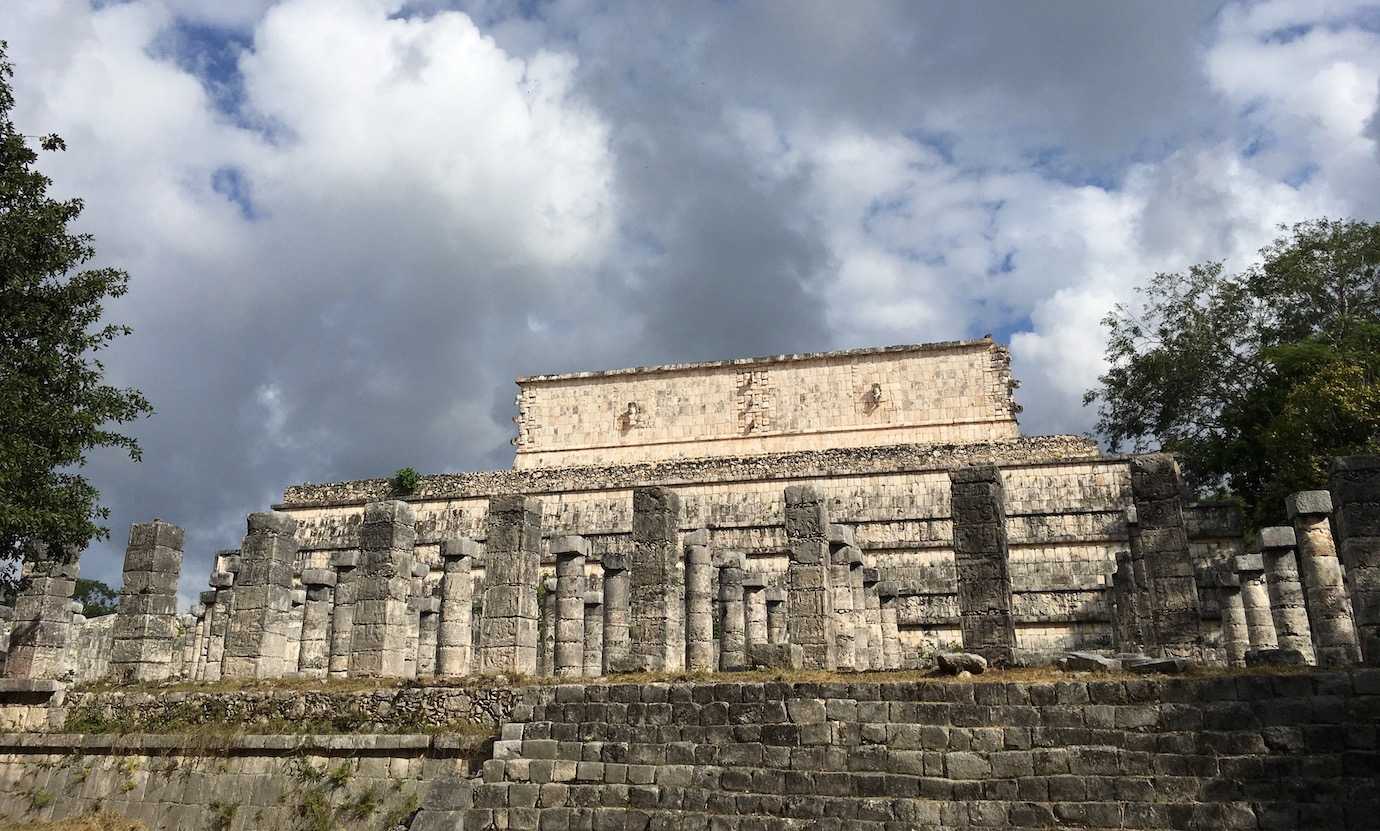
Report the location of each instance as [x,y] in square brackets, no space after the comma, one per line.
[944,392]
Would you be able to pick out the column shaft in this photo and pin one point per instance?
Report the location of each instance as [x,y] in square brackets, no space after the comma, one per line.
[571,553]
[1355,487]
[146,626]
[617,636]
[346,564]
[383,589]
[873,610]
[777,631]
[733,620]
[809,596]
[755,607]
[512,566]
[1329,609]
[699,606]
[314,657]
[1175,615]
[453,647]
[657,587]
[42,616]
[891,632]
[594,634]
[841,590]
[978,498]
[1287,604]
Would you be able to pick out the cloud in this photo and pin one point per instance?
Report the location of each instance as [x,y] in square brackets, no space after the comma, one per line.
[351,224]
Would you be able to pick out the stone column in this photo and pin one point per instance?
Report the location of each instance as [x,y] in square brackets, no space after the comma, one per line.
[594,634]
[617,585]
[809,599]
[314,658]
[1142,595]
[223,582]
[777,631]
[292,625]
[346,565]
[416,606]
[546,627]
[978,498]
[1255,600]
[755,607]
[1355,486]
[254,638]
[512,566]
[145,628]
[657,585]
[208,602]
[841,590]
[891,632]
[862,632]
[457,603]
[699,603]
[1236,639]
[1287,604]
[872,610]
[42,622]
[1329,610]
[571,552]
[1176,616]
[383,589]
[196,644]
[428,631]
[733,615]
[1125,625]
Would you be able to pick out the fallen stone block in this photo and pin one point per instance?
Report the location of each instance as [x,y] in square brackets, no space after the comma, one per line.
[1162,666]
[1275,658]
[1088,662]
[775,656]
[952,663]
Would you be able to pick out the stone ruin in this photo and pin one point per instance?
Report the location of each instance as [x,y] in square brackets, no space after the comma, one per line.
[856,511]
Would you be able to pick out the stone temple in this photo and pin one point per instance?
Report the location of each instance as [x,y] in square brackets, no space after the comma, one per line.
[869,510]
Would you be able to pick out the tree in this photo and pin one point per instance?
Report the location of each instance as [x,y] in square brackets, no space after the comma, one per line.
[96,597]
[1257,379]
[54,404]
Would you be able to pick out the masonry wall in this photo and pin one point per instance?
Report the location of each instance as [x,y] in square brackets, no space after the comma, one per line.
[945,392]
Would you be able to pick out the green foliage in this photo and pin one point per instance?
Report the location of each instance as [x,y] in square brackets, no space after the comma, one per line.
[1258,379]
[405,481]
[96,597]
[41,799]
[54,405]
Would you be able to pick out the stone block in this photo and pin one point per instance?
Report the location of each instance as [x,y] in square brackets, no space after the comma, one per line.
[319,577]
[1277,536]
[1308,502]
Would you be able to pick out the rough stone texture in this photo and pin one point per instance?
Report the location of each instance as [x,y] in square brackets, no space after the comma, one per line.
[841,555]
[891,635]
[509,614]
[346,564]
[1355,487]
[732,612]
[1125,616]
[657,585]
[1287,603]
[1142,587]
[147,624]
[862,631]
[1175,612]
[42,617]
[379,645]
[768,656]
[1255,597]
[223,582]
[594,634]
[314,658]
[570,553]
[255,641]
[873,612]
[1329,609]
[1236,636]
[699,606]
[546,628]
[453,645]
[980,552]
[755,609]
[617,586]
[809,596]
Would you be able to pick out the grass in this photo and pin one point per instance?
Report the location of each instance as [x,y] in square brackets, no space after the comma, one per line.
[94,822]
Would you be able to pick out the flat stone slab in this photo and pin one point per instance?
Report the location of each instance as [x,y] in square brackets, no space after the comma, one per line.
[1088,662]
[1160,666]
[952,663]
[1275,658]
[30,685]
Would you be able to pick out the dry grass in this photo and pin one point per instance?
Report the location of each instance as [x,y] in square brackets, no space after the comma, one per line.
[94,822]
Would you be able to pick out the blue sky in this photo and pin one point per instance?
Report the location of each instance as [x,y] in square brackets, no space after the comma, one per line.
[350,224]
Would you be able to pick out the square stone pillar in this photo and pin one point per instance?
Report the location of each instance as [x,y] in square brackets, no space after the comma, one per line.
[978,498]
[657,585]
[872,611]
[546,628]
[699,603]
[1125,624]
[1355,487]
[1324,586]
[1287,604]
[891,630]
[379,645]
[42,622]
[1255,600]
[617,636]
[144,630]
[255,637]
[1175,613]
[293,627]
[841,590]
[453,649]
[809,593]
[732,612]
[755,608]
[1141,586]
[594,634]
[346,565]
[512,566]
[777,631]
[207,599]
[417,604]
[314,658]
[571,552]
[862,632]
[223,583]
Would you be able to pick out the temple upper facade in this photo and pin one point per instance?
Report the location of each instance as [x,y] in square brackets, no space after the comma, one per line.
[957,392]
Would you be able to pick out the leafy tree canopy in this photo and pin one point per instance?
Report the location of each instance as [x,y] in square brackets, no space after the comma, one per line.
[1256,379]
[97,597]
[54,404]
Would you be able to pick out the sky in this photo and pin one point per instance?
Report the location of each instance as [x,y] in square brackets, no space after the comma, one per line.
[350,224]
